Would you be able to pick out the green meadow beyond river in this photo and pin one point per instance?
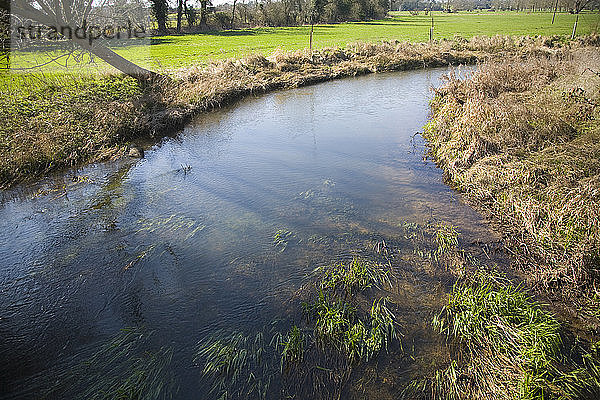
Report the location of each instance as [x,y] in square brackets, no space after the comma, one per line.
[114,274]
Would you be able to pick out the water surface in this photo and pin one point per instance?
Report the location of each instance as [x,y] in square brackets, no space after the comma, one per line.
[181,242]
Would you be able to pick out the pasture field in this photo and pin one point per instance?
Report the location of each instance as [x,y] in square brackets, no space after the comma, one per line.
[176,51]
[185,50]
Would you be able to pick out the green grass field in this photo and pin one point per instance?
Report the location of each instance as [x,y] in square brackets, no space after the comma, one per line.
[174,51]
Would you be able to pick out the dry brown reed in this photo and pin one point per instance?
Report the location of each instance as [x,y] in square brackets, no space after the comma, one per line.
[521,137]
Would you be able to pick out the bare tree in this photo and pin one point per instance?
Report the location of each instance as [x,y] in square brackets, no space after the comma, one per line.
[179,14]
[203,12]
[233,14]
[66,18]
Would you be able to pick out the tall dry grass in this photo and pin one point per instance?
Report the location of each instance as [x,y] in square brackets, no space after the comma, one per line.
[521,137]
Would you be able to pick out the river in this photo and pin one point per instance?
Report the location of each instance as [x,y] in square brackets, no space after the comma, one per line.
[217,228]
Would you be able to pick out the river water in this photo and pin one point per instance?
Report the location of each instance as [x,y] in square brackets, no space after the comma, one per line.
[180,245]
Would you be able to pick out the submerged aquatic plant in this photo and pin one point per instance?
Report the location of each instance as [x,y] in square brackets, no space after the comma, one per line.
[583,381]
[182,226]
[282,238]
[446,238]
[383,326]
[504,321]
[312,359]
[293,348]
[433,240]
[332,318]
[338,325]
[355,276]
[126,367]
[445,383]
[338,322]
[238,366]
[342,328]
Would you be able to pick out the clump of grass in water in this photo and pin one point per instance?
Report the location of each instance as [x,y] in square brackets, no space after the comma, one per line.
[510,348]
[503,319]
[123,368]
[583,381]
[442,235]
[293,348]
[349,278]
[338,333]
[314,360]
[238,366]
[446,238]
[338,325]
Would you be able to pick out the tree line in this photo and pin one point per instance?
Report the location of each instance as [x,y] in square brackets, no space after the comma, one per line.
[194,15]
[204,15]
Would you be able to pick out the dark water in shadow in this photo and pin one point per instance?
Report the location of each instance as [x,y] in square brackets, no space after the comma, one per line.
[181,242]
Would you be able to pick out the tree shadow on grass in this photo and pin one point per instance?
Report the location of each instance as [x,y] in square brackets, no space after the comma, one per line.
[160,40]
[412,23]
[241,32]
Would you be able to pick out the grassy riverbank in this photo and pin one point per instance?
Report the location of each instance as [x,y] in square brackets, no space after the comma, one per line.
[522,139]
[56,122]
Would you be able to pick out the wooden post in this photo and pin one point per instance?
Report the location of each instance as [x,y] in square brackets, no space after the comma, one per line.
[431,29]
